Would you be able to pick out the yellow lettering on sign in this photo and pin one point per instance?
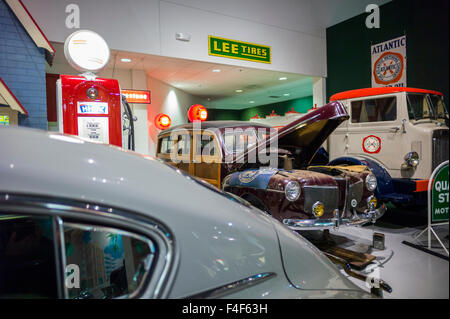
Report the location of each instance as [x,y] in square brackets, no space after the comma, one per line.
[243,48]
[259,51]
[264,52]
[253,50]
[226,47]
[234,48]
[215,46]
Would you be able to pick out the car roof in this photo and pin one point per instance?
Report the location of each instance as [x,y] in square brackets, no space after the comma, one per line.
[52,165]
[215,125]
[377,91]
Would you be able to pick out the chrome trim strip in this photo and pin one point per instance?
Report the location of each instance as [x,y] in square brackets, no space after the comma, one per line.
[233,287]
[91,212]
[318,224]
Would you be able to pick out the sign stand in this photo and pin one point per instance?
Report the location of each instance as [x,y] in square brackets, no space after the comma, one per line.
[442,204]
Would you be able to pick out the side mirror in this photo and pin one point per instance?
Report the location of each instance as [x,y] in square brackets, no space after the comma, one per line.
[404,126]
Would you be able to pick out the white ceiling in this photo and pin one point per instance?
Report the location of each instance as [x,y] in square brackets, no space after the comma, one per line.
[218,88]
[259,86]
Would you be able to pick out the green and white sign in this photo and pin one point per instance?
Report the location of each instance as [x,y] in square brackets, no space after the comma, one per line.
[238,50]
[440,196]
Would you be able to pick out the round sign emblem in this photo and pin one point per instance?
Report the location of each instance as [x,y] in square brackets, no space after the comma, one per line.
[86,51]
[388,68]
[371,144]
[248,176]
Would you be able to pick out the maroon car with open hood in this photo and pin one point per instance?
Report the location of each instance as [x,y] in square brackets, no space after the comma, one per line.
[272,169]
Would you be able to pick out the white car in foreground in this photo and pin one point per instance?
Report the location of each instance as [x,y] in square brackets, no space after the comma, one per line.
[80,220]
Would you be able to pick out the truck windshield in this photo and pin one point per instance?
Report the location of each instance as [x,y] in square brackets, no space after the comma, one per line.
[420,107]
[437,101]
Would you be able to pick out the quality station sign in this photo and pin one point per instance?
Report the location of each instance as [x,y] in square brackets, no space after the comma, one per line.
[389,63]
[440,195]
[239,50]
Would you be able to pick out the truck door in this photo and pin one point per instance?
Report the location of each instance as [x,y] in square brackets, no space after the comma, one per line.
[374,130]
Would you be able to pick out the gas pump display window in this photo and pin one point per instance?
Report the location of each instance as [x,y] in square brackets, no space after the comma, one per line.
[374,110]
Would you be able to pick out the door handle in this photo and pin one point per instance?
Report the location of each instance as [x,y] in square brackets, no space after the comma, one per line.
[395,129]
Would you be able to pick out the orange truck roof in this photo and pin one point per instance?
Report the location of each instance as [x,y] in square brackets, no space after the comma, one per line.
[377,91]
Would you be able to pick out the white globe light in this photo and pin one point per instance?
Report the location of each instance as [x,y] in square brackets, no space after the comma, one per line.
[86,51]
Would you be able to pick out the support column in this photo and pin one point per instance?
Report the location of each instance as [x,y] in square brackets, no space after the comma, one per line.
[319,92]
[139,82]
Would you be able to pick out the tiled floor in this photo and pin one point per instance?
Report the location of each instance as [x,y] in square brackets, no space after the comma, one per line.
[411,273]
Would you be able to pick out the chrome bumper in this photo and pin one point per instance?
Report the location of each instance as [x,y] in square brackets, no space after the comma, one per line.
[357,220]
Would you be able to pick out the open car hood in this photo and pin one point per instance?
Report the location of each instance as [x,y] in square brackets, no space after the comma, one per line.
[303,137]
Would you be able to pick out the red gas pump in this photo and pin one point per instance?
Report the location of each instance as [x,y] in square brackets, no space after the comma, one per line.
[92,107]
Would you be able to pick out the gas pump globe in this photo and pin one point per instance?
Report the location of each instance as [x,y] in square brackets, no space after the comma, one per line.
[92,107]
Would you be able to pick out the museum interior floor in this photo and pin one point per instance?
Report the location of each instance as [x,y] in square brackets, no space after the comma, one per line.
[410,272]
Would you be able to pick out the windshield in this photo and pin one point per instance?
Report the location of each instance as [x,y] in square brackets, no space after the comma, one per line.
[239,140]
[425,106]
[439,106]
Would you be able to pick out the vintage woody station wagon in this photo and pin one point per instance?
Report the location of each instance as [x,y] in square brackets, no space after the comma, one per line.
[228,155]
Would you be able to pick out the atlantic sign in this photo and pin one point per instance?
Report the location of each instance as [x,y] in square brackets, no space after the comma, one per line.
[238,50]
[389,63]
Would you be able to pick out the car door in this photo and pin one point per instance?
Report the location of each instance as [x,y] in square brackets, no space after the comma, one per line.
[207,157]
[54,249]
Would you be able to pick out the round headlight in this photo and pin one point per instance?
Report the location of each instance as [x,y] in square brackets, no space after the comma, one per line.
[371,182]
[292,191]
[412,159]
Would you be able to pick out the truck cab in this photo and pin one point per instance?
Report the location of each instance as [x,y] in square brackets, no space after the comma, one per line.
[400,133]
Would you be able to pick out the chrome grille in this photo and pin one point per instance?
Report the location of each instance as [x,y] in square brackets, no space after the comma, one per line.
[355,191]
[440,147]
[328,195]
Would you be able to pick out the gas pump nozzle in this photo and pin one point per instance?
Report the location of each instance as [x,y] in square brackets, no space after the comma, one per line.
[129,116]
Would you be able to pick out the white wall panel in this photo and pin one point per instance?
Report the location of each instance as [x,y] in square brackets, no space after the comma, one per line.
[292,51]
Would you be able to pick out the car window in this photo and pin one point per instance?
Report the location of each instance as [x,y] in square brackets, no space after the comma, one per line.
[99,262]
[239,141]
[184,144]
[205,145]
[166,145]
[374,110]
[27,257]
[111,263]
[419,107]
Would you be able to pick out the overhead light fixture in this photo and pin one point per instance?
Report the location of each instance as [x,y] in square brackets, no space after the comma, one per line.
[126,60]
[286,94]
[283,78]
[251,102]
[239,91]
[216,70]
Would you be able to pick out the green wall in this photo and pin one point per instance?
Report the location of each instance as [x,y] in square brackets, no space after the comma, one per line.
[300,105]
[425,24]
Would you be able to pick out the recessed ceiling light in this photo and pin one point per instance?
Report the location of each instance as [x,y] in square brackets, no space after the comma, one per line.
[216,70]
[125,60]
[239,91]
[251,102]
[286,94]
[283,78]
